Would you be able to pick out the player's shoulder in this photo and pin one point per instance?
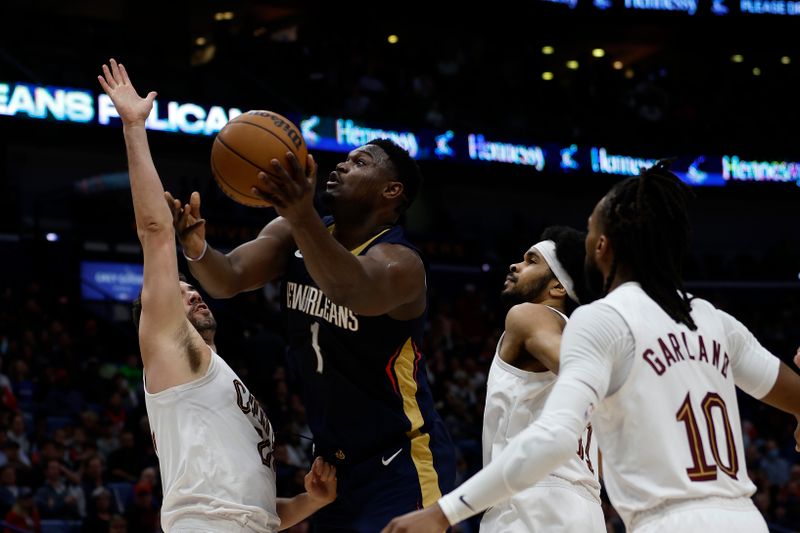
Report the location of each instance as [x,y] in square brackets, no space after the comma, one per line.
[530,314]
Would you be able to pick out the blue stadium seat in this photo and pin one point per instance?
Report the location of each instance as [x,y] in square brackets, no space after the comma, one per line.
[53,423]
[61,526]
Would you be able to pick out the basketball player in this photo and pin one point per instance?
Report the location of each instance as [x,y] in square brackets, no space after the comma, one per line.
[213,439]
[355,294]
[656,371]
[542,289]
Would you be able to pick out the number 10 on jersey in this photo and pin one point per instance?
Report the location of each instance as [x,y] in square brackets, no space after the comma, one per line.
[701,469]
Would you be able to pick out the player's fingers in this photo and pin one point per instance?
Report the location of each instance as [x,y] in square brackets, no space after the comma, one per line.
[275,184]
[271,198]
[311,167]
[297,174]
[103,84]
[280,170]
[109,78]
[115,71]
[124,74]
[194,201]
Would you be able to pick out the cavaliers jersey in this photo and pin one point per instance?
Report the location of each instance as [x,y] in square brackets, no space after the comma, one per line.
[214,445]
[514,400]
[363,378]
[672,430]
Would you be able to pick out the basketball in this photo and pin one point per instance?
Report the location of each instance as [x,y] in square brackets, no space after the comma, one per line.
[245,147]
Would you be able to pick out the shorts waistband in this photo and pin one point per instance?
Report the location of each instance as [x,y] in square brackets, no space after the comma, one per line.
[642,517]
[196,524]
[577,487]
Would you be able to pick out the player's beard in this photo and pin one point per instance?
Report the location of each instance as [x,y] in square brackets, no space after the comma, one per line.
[516,295]
[203,322]
[595,281]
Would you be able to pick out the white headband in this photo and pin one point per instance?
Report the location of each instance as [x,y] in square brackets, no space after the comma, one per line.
[547,249]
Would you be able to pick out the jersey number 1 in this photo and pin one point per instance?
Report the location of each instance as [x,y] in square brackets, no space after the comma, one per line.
[315,345]
[701,470]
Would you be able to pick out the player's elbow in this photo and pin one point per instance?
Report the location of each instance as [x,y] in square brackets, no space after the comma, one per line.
[149,228]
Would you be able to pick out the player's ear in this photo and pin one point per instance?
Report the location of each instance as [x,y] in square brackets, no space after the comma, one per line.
[557,290]
[393,189]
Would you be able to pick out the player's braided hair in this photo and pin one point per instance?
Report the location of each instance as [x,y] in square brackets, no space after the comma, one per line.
[646,219]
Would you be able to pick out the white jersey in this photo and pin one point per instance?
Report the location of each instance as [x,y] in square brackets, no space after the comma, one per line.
[671,431]
[514,400]
[662,402]
[214,445]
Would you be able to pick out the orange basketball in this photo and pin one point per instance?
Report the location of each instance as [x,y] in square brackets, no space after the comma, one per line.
[245,147]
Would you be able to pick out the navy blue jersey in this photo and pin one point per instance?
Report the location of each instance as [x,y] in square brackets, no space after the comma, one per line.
[363,378]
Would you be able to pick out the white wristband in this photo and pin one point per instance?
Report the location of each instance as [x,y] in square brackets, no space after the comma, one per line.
[199,257]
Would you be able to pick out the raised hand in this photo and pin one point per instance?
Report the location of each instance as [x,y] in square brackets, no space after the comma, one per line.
[320,482]
[292,190]
[132,108]
[190,227]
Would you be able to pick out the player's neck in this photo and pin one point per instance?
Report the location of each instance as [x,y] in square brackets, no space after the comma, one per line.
[623,275]
[209,340]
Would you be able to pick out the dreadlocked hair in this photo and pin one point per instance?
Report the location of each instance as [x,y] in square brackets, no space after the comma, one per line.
[646,219]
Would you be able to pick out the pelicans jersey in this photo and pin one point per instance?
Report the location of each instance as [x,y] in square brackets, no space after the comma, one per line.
[214,445]
[672,433]
[368,401]
[568,500]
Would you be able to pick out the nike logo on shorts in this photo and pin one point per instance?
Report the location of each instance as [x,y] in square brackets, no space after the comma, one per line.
[390,459]
[298,254]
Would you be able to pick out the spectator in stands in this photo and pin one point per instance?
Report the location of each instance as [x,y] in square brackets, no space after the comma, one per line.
[99,512]
[24,515]
[124,463]
[8,489]
[142,515]
[57,499]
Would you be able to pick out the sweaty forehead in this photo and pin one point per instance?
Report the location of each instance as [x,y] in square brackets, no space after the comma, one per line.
[374,151]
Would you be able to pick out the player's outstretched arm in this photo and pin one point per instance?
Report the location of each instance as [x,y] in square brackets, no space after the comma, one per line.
[162,306]
[320,483]
[785,395]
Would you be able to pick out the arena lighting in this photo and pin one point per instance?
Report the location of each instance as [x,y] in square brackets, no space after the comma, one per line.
[572,64]
[547,76]
[200,41]
[52,237]
[548,50]
[737,58]
[598,53]
[617,65]
[393,39]
[785,60]
[629,73]
[756,71]
[223,15]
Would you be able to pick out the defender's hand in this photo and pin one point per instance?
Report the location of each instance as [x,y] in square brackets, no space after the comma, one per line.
[132,108]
